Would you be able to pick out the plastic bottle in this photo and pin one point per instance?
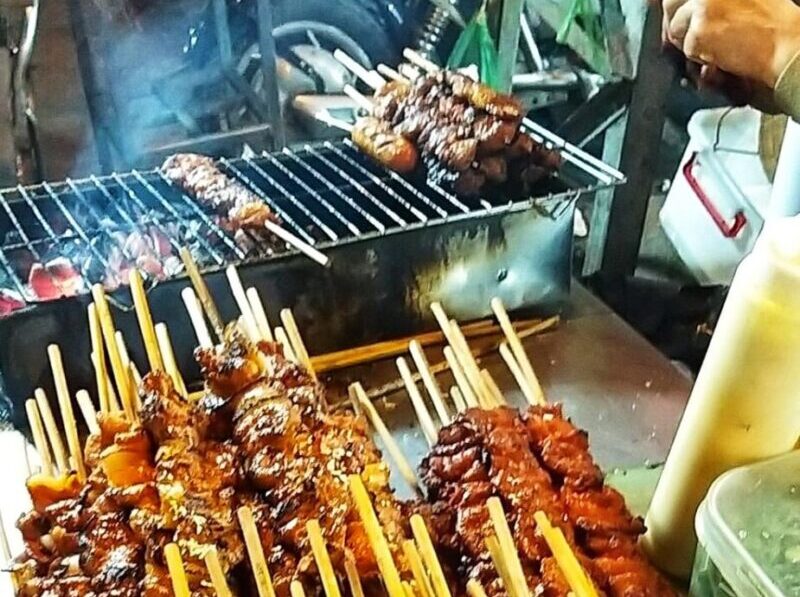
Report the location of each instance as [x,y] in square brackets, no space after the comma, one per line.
[745,404]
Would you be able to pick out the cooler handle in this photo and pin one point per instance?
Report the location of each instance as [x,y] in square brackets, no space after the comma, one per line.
[728,229]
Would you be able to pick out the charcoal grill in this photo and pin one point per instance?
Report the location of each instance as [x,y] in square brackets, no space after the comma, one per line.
[395,244]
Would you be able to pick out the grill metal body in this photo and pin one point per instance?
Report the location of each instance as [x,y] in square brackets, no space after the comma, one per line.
[395,245]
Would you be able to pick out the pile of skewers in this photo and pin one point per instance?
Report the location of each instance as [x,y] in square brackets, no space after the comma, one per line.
[254,486]
[466,136]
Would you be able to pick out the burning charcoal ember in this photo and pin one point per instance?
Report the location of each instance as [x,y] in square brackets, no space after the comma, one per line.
[55,279]
[10,301]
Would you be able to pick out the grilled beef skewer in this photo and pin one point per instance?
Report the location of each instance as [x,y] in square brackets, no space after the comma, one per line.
[607,530]
[485,453]
[199,176]
[298,458]
[468,135]
[534,461]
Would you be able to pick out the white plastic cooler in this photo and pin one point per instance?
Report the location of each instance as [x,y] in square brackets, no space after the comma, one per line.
[718,201]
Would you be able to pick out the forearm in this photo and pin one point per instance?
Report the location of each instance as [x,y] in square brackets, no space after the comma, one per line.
[787,89]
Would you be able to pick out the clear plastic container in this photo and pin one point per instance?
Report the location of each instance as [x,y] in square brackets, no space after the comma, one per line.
[748,530]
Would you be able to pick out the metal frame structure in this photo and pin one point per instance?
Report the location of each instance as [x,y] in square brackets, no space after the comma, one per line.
[113,147]
[629,113]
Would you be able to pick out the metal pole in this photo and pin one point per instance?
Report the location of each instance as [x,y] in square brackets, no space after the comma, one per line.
[646,115]
[267,44]
[508,42]
[786,189]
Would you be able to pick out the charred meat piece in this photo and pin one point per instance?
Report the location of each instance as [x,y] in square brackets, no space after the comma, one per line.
[299,459]
[46,491]
[195,477]
[483,97]
[376,138]
[230,368]
[199,176]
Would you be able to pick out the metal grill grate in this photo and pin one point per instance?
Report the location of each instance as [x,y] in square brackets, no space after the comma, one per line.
[58,239]
[96,228]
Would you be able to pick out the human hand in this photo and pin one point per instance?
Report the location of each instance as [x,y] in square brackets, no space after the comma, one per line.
[752,39]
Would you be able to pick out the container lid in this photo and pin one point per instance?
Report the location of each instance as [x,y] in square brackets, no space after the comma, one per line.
[749,525]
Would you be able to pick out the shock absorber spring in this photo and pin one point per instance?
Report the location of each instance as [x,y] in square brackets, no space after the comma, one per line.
[431,33]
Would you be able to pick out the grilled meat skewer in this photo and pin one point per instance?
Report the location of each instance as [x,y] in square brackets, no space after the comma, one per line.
[199,176]
[375,138]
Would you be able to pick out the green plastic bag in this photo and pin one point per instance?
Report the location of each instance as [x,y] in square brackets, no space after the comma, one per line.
[583,14]
[476,46]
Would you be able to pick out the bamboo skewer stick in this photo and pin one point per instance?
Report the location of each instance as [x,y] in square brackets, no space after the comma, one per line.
[5,550]
[516,371]
[377,540]
[501,563]
[517,349]
[169,359]
[414,560]
[216,574]
[408,589]
[391,74]
[283,339]
[293,240]
[136,381]
[120,372]
[461,351]
[458,399]
[461,379]
[353,578]
[359,98]
[327,118]
[53,435]
[177,573]
[396,454]
[296,589]
[123,350]
[507,548]
[497,396]
[195,312]
[111,395]
[322,559]
[397,384]
[67,414]
[257,307]
[235,282]
[99,361]
[474,589]
[296,340]
[394,348]
[203,294]
[469,364]
[418,60]
[39,439]
[429,557]
[427,424]
[88,411]
[428,379]
[371,78]
[573,572]
[255,552]
[142,307]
